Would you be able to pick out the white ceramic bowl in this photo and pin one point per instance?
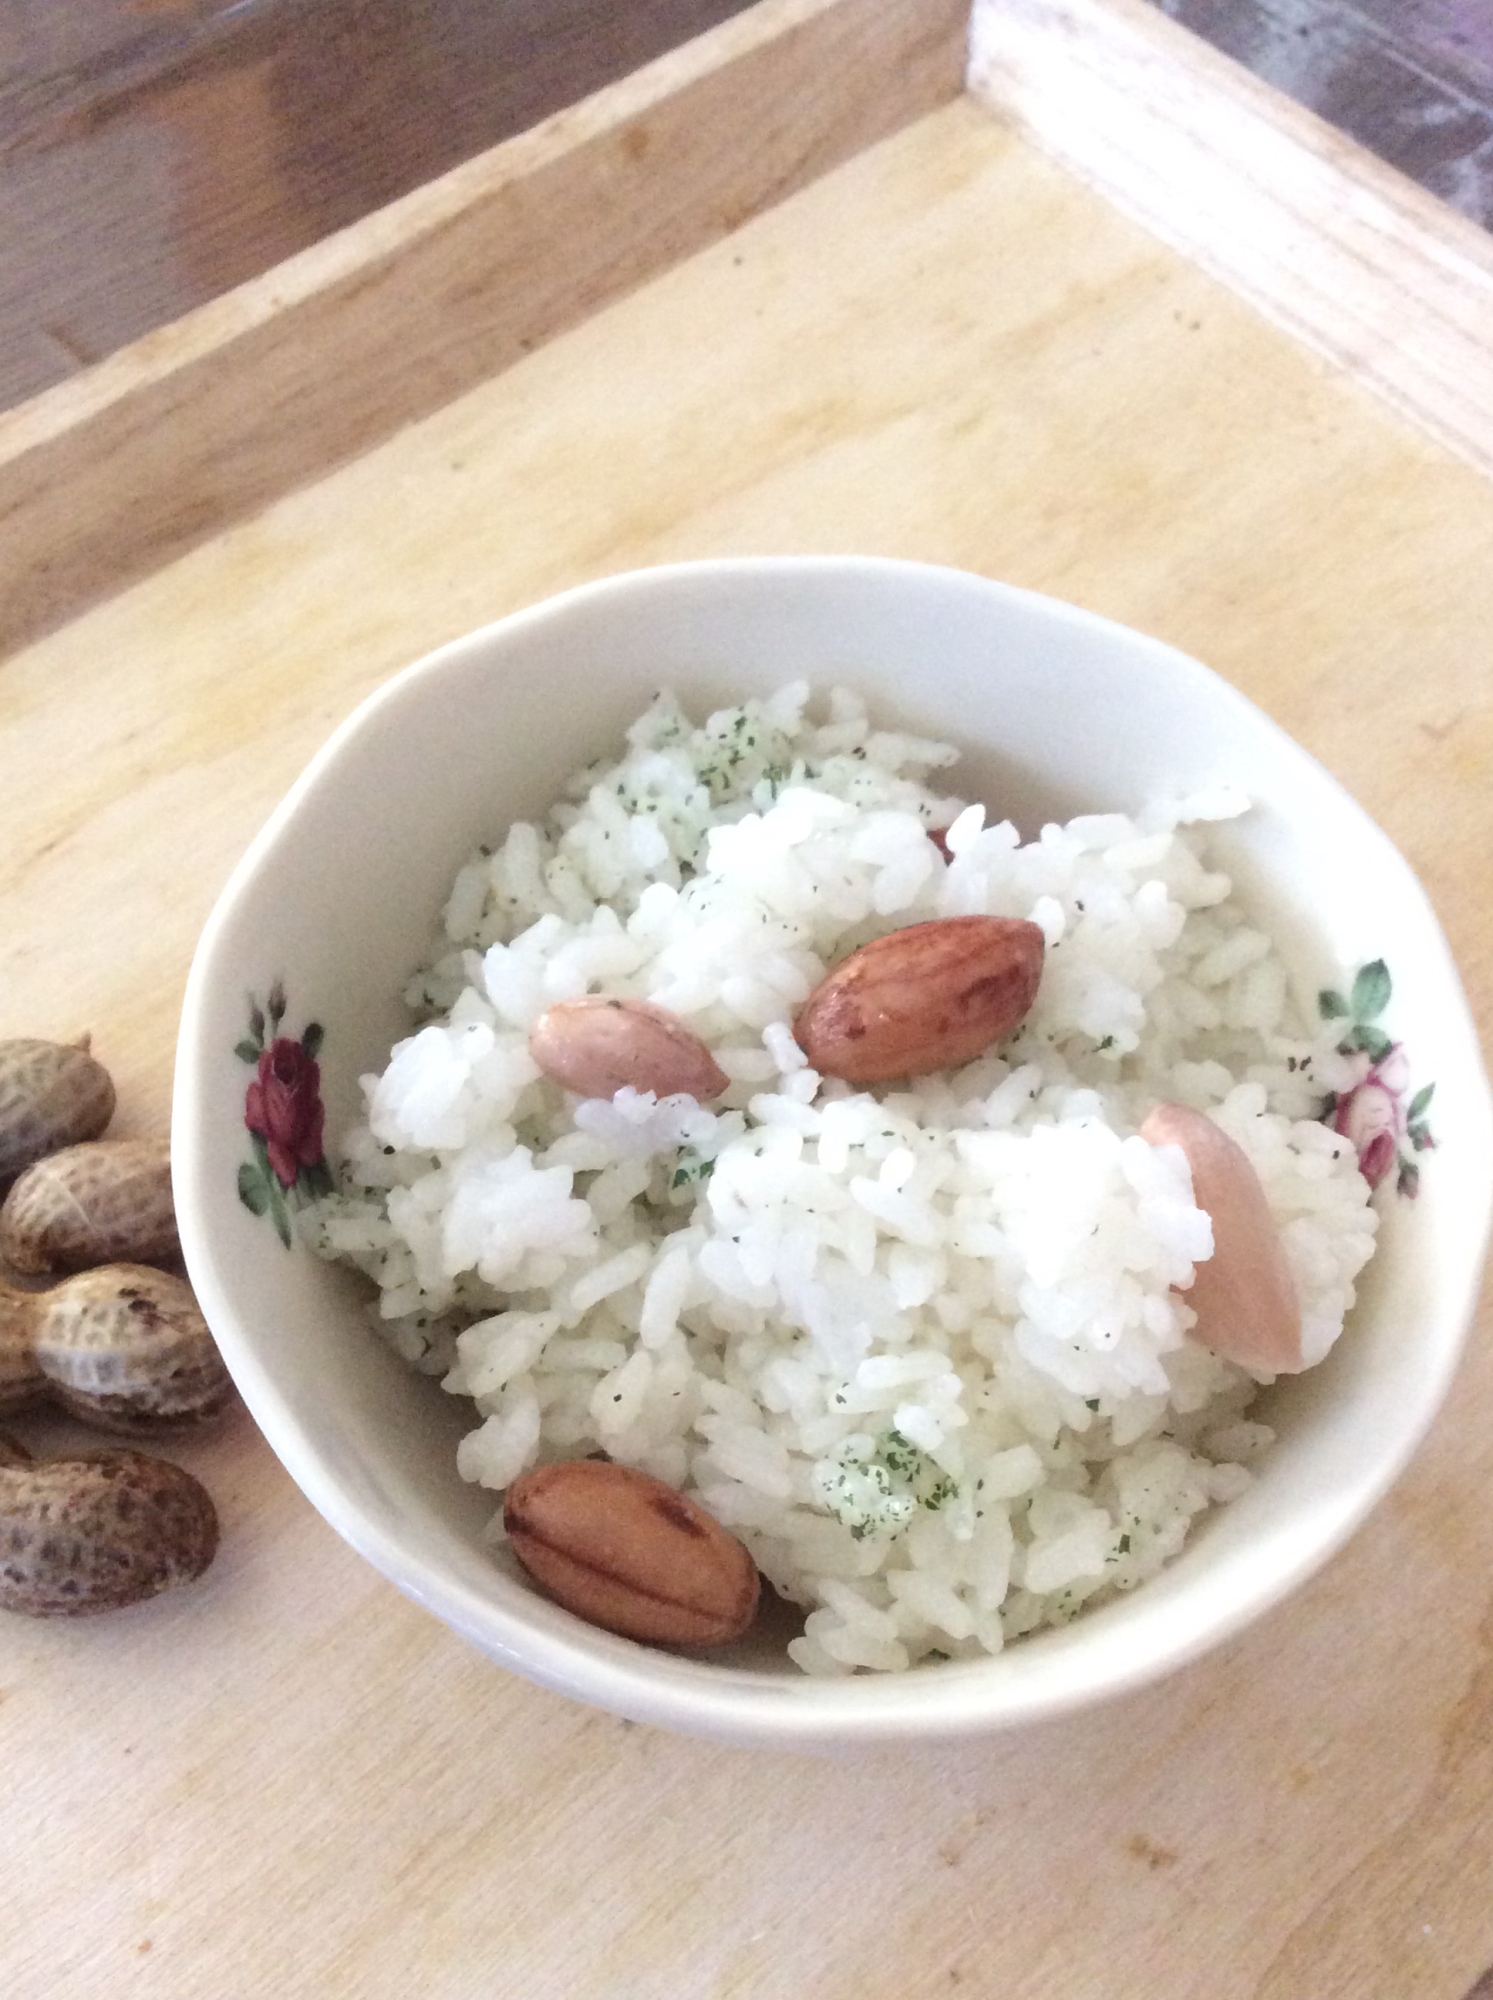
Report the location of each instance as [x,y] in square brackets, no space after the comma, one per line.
[1058,711]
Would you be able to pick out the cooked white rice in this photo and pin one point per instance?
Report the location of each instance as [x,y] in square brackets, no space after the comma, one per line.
[918,1347]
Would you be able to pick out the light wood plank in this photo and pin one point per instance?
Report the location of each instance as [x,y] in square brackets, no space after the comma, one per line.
[152,156]
[1341,251]
[108,476]
[293,1782]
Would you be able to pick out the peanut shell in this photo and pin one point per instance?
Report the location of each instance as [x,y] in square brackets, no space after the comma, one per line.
[125,1348]
[22,1384]
[104,1202]
[83,1535]
[51,1096]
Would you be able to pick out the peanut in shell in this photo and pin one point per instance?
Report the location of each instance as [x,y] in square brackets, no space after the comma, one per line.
[94,1533]
[107,1201]
[126,1349]
[22,1384]
[51,1095]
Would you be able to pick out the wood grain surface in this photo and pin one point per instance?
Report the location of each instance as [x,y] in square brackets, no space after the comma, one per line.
[154,153]
[1341,251]
[288,1780]
[208,418]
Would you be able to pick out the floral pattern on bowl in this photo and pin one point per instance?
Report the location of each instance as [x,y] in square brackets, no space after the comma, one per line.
[284,1114]
[1371,1110]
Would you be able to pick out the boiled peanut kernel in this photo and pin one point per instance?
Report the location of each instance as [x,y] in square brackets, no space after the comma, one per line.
[927,997]
[82,1535]
[600,1045]
[1243,1295]
[100,1203]
[625,1551]
[50,1096]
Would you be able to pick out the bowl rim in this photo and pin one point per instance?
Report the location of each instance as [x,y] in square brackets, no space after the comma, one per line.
[686,1692]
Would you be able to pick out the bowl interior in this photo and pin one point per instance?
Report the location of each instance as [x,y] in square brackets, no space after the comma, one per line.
[1057,712]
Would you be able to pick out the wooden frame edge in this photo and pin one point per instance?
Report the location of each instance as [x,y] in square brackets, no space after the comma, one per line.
[108,476]
[1341,251]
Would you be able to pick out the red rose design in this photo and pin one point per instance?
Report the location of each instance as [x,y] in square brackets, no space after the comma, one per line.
[1371,1116]
[1377,1157]
[283,1105]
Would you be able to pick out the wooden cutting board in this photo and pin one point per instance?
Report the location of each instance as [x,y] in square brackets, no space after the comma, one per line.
[882,316]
